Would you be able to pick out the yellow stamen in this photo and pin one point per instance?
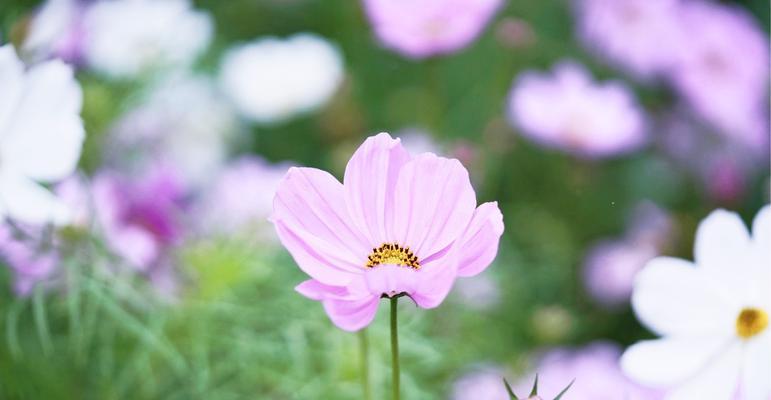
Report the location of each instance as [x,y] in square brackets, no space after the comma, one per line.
[750,322]
[391,253]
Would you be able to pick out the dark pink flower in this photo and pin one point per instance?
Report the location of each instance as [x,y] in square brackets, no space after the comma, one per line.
[397,225]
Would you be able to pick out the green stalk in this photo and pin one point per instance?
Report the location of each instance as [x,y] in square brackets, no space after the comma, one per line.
[364,359]
[394,350]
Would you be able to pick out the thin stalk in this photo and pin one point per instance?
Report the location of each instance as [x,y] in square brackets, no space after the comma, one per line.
[394,350]
[364,368]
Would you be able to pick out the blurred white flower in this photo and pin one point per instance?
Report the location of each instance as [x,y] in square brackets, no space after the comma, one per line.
[417,141]
[241,198]
[568,111]
[272,79]
[712,314]
[124,38]
[183,121]
[56,30]
[41,136]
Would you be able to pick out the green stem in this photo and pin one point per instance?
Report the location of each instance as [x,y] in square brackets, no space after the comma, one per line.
[394,350]
[364,353]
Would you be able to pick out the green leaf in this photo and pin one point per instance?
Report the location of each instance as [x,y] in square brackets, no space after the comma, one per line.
[535,387]
[559,396]
[508,389]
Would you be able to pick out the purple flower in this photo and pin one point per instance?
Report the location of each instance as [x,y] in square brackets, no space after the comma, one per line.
[389,229]
[32,262]
[641,36]
[140,217]
[424,28]
[56,31]
[722,70]
[567,111]
[241,197]
[595,370]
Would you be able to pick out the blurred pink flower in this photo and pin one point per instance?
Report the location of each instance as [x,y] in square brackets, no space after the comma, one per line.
[399,224]
[140,217]
[611,265]
[568,111]
[486,384]
[241,197]
[640,36]
[595,370]
[424,28]
[722,70]
[32,263]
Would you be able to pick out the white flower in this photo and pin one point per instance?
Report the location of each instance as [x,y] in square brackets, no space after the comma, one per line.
[55,31]
[272,79]
[41,135]
[124,38]
[183,121]
[712,314]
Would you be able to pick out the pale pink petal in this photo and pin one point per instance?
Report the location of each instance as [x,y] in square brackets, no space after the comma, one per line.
[370,180]
[313,224]
[673,297]
[717,380]
[664,362]
[479,244]
[391,279]
[434,204]
[436,280]
[318,291]
[352,315]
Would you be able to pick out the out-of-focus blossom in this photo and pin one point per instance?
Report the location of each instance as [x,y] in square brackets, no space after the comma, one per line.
[595,371]
[641,36]
[568,111]
[515,33]
[41,136]
[32,263]
[712,314]
[75,194]
[183,122]
[424,28]
[271,79]
[479,293]
[388,230]
[140,216]
[610,268]
[125,38]
[484,384]
[722,70]
[57,31]
[611,265]
[241,197]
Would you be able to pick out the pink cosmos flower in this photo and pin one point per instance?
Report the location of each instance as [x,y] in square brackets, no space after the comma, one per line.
[641,36]
[140,218]
[397,225]
[424,28]
[722,70]
[568,111]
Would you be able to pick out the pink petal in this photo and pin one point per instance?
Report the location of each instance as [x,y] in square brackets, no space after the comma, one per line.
[352,315]
[318,291]
[434,204]
[436,280]
[370,180]
[313,224]
[479,245]
[391,280]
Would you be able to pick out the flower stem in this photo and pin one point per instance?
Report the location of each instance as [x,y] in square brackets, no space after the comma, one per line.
[394,350]
[364,358]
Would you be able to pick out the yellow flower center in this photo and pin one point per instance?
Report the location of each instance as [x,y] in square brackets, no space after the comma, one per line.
[391,253]
[750,322]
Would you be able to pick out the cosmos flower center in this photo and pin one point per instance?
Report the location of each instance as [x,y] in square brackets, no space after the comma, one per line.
[394,254]
[750,322]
